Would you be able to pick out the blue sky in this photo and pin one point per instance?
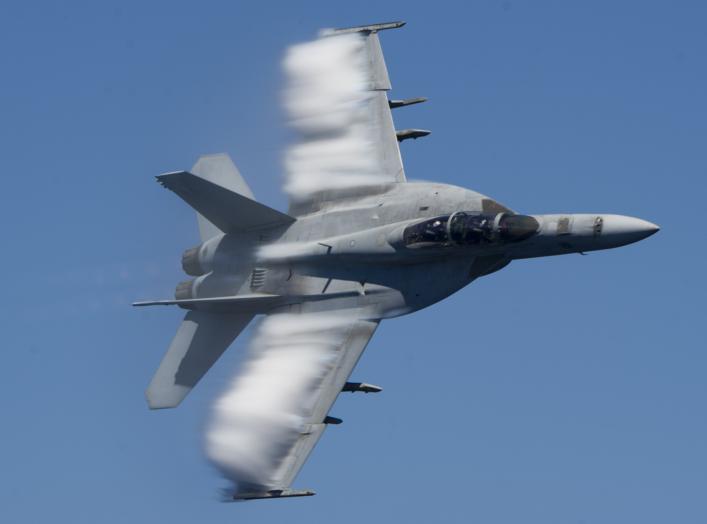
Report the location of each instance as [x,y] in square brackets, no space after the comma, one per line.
[564,390]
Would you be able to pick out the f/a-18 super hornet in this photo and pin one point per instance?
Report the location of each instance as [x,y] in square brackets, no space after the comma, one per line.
[358,244]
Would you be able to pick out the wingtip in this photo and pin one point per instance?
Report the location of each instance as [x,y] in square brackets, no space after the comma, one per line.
[369,28]
[273,494]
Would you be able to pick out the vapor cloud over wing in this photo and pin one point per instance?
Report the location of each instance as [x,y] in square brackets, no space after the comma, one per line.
[326,98]
[258,419]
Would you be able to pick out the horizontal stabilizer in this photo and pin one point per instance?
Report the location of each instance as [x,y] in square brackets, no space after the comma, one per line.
[200,341]
[229,211]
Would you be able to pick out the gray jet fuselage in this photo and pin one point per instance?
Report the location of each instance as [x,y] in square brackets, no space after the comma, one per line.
[408,246]
[359,243]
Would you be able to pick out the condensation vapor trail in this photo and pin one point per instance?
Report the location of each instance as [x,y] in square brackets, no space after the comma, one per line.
[326,95]
[258,419]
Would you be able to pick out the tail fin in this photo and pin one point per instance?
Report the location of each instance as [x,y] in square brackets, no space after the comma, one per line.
[221,198]
[200,341]
[220,170]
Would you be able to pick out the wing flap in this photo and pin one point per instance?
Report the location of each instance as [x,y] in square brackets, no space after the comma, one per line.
[388,147]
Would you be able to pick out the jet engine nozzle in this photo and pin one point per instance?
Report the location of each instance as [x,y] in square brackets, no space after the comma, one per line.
[185,290]
[190,262]
[199,260]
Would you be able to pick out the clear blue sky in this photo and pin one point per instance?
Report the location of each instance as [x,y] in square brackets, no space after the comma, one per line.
[565,390]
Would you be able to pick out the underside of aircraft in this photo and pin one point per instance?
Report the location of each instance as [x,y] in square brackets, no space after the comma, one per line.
[358,244]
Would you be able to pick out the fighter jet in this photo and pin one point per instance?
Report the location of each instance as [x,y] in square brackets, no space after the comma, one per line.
[359,244]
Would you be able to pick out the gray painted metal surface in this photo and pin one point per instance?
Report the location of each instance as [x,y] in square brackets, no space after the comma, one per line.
[200,341]
[369,253]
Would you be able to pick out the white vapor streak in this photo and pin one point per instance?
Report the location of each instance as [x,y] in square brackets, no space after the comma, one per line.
[290,250]
[326,97]
[259,418]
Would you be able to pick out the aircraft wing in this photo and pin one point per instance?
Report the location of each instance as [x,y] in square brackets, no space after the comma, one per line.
[348,140]
[267,424]
[355,339]
[381,119]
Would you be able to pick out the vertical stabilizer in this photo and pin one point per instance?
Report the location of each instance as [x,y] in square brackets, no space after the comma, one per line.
[219,169]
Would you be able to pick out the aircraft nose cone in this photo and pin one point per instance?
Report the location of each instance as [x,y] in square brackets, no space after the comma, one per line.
[621,230]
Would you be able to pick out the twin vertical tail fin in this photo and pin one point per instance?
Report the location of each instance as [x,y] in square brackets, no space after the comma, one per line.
[222,199]
[219,169]
[224,204]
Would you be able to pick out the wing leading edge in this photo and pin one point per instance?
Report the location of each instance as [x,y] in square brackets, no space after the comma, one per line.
[265,426]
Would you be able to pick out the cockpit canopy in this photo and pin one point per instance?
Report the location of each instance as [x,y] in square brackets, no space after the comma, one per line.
[470,228]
